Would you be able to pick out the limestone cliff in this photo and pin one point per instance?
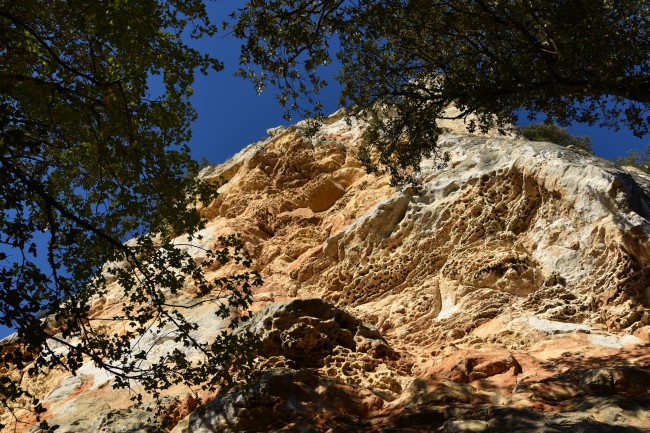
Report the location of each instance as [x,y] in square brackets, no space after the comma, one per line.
[510,291]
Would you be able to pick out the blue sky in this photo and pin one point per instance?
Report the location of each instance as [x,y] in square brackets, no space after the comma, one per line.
[232,115]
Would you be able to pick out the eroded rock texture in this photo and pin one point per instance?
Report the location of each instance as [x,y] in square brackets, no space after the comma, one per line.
[509,291]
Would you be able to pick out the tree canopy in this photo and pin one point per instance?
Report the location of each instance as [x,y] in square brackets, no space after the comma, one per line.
[404,62]
[90,158]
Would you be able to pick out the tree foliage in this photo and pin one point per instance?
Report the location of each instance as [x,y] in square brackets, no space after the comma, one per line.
[552,133]
[403,62]
[90,157]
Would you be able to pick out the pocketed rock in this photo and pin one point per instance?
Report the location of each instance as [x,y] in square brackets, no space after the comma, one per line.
[508,290]
[307,331]
[285,400]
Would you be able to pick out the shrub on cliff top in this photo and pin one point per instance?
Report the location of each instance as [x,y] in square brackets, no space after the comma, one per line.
[554,134]
[637,159]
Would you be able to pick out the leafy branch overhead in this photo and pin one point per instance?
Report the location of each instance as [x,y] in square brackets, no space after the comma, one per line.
[403,62]
[90,157]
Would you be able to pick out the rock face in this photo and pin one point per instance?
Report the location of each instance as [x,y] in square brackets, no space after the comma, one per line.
[510,291]
[305,332]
